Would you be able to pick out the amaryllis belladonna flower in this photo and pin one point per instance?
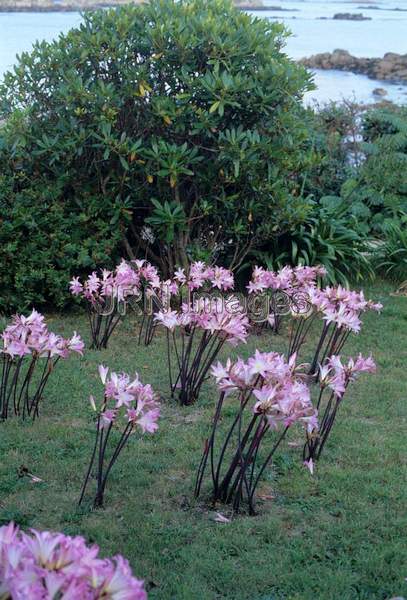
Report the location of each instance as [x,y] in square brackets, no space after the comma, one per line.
[106,293]
[127,405]
[270,396]
[41,565]
[195,336]
[335,376]
[28,348]
[340,311]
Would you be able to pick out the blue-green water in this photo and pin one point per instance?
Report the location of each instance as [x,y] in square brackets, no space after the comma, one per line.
[312,31]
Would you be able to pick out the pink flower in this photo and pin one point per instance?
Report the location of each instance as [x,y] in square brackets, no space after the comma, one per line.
[15,347]
[108,416]
[338,375]
[366,365]
[279,393]
[180,276]
[76,344]
[132,414]
[343,317]
[259,363]
[148,421]
[310,465]
[30,335]
[103,371]
[123,397]
[167,318]
[220,372]
[93,283]
[75,286]
[222,279]
[130,396]
[42,565]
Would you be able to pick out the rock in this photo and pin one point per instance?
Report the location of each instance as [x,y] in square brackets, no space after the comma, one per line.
[392,67]
[247,5]
[351,17]
[379,92]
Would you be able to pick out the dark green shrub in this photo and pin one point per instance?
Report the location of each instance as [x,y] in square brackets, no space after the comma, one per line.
[329,237]
[184,117]
[375,182]
[391,254]
[43,238]
[333,140]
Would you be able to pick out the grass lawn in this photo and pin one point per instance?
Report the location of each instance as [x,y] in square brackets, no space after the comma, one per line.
[341,534]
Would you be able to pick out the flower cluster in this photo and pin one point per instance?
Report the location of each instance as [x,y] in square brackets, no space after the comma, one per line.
[272,395]
[287,279]
[288,288]
[341,306]
[41,564]
[201,275]
[24,341]
[229,326]
[340,310]
[337,375]
[334,378]
[208,324]
[123,397]
[129,395]
[126,280]
[171,294]
[279,392]
[105,292]
[30,336]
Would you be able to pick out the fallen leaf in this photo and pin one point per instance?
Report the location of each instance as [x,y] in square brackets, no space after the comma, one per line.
[23,472]
[266,496]
[219,518]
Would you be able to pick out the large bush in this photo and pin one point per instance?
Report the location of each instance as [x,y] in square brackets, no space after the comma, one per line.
[364,159]
[173,129]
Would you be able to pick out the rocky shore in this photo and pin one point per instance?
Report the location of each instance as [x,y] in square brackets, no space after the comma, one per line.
[351,17]
[392,67]
[261,7]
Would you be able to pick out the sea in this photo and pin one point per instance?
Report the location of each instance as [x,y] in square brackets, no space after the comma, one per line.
[311,28]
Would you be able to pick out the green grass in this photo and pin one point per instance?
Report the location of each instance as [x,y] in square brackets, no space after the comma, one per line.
[340,534]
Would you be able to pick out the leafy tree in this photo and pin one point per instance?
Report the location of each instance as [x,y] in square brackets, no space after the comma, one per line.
[170,129]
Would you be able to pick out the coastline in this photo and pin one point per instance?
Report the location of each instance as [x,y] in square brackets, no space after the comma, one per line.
[333,82]
[391,68]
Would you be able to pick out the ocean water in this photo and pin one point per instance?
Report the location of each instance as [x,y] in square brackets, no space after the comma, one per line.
[312,31]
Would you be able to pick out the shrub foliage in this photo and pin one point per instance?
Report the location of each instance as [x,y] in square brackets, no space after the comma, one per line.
[174,128]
